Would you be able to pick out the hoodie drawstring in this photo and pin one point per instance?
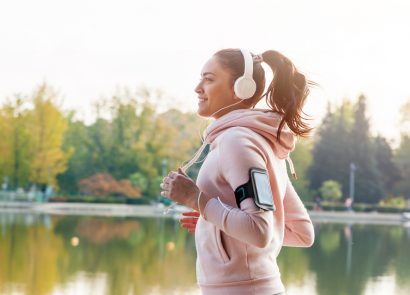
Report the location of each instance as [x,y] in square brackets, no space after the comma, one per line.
[196,156]
[292,168]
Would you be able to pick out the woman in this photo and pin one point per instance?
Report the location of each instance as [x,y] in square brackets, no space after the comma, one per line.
[237,240]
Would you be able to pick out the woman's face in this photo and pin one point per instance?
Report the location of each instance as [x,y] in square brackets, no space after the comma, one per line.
[215,90]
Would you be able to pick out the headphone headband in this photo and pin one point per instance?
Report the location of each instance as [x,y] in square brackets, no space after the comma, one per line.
[248,63]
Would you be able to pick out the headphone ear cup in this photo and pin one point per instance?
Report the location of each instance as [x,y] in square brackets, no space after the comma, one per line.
[244,87]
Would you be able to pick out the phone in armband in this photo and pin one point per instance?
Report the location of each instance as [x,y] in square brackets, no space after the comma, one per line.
[258,188]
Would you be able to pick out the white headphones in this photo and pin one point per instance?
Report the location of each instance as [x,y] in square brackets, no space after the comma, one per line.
[245,86]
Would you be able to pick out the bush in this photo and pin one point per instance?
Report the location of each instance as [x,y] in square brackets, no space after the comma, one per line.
[57,199]
[103,184]
[328,206]
[359,207]
[390,209]
[139,201]
[398,202]
[309,205]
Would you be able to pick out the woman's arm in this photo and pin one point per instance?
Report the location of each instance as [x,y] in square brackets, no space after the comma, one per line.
[239,151]
[247,224]
[299,231]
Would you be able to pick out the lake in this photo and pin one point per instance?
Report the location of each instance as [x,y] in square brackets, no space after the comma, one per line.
[50,254]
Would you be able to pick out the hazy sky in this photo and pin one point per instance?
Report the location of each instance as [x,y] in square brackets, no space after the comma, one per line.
[88,48]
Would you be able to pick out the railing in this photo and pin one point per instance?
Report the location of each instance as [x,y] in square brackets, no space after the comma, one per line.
[21,196]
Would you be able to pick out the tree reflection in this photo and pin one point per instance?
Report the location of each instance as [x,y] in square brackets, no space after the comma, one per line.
[29,257]
[133,262]
[138,255]
[401,260]
[39,258]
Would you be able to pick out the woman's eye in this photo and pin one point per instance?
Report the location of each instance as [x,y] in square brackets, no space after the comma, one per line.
[206,79]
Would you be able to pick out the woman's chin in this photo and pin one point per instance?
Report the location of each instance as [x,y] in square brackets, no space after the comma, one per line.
[203,112]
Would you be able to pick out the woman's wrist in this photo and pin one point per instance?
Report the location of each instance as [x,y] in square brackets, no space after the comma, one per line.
[202,200]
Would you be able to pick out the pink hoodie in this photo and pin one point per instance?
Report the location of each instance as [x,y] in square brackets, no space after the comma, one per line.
[237,248]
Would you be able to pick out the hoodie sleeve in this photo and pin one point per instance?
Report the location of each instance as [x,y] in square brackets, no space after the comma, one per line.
[237,154]
[299,230]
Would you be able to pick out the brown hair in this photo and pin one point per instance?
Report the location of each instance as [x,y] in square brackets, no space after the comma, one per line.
[286,93]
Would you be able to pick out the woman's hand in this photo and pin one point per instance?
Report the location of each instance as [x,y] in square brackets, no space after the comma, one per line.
[178,187]
[190,220]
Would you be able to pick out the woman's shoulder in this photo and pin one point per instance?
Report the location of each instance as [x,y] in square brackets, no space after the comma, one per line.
[236,135]
[241,140]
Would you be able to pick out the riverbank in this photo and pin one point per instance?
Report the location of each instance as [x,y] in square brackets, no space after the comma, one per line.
[123,210]
[120,210]
[360,217]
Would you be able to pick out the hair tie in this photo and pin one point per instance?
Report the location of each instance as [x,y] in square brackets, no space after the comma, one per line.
[257,58]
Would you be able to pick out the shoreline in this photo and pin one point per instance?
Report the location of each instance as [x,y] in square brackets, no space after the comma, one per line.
[124,210]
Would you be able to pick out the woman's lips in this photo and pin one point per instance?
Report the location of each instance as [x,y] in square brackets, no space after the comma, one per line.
[200,100]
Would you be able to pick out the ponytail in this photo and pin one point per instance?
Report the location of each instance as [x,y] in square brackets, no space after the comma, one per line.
[287,93]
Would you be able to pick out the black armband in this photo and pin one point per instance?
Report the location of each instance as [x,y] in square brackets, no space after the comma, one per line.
[258,188]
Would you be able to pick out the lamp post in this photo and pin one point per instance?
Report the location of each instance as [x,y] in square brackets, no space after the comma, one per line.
[351,182]
[164,172]
[5,183]
[164,167]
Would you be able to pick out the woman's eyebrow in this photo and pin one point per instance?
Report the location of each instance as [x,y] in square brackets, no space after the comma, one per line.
[207,73]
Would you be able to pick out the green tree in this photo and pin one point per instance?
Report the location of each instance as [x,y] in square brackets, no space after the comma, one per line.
[402,159]
[344,138]
[80,164]
[405,117]
[331,190]
[139,180]
[401,155]
[135,140]
[385,163]
[368,183]
[332,151]
[302,159]
[126,129]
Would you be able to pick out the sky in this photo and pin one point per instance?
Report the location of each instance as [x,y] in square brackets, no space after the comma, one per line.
[87,49]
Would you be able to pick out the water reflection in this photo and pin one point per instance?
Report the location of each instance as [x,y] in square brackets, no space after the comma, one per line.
[349,241]
[37,254]
[346,259]
[42,254]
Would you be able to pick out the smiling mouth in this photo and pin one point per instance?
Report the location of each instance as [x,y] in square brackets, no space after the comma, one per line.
[202,99]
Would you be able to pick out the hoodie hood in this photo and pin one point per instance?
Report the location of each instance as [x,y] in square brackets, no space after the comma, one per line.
[264,122]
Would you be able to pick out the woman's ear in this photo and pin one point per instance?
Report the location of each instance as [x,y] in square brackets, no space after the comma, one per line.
[234,97]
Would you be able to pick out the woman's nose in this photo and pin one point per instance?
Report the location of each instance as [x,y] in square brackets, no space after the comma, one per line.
[198,89]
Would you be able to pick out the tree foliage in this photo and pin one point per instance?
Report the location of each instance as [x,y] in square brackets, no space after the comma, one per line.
[344,138]
[332,150]
[402,160]
[405,117]
[132,144]
[15,142]
[47,128]
[389,170]
[368,185]
[401,156]
[302,159]
[331,190]
[32,132]
[132,140]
